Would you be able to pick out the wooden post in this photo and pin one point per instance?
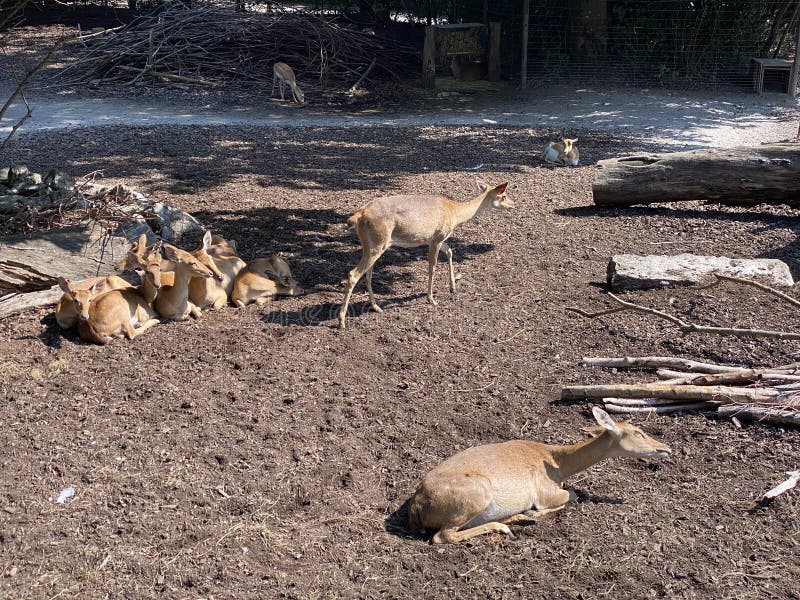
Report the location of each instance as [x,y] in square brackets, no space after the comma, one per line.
[494,51]
[795,67]
[526,16]
[429,58]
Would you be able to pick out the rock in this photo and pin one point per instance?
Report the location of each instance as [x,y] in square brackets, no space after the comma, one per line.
[633,272]
[172,223]
[10,204]
[16,175]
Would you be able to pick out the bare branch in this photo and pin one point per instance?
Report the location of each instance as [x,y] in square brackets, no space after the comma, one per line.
[763,287]
[687,328]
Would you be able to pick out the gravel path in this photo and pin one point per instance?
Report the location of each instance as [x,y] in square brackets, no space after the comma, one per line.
[666,118]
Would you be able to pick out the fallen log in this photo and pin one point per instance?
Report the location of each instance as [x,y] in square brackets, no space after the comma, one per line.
[17,303]
[741,175]
[672,392]
[34,262]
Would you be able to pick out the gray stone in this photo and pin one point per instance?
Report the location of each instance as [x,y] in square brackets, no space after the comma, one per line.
[172,223]
[634,272]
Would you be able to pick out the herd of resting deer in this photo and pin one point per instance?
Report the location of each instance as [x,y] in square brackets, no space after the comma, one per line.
[479,490]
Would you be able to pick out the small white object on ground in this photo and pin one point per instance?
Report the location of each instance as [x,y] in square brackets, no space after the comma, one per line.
[66,493]
[794,479]
[475,168]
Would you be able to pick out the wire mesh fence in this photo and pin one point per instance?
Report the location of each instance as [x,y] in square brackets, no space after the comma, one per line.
[685,43]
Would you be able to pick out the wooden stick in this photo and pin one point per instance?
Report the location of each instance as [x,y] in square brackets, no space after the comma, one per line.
[361,79]
[675,392]
[742,376]
[686,328]
[755,284]
[773,416]
[660,410]
[794,479]
[170,76]
[643,401]
[684,364]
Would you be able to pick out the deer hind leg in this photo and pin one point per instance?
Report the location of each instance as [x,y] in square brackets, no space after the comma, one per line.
[274,81]
[449,254]
[132,332]
[368,280]
[368,260]
[282,86]
[433,257]
[452,535]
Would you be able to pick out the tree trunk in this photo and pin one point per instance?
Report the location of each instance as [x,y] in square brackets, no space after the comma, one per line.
[743,175]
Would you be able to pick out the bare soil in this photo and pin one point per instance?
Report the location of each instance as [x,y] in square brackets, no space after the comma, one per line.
[263,453]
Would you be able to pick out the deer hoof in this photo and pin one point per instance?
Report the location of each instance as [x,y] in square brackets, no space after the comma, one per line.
[431,300]
[376,308]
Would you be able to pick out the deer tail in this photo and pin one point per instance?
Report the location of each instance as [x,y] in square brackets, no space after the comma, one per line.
[414,516]
[352,222]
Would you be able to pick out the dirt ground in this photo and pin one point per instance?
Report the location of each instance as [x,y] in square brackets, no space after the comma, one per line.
[264,453]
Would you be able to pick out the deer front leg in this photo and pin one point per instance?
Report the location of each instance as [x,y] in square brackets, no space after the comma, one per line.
[449,254]
[274,81]
[433,257]
[368,259]
[194,310]
[282,87]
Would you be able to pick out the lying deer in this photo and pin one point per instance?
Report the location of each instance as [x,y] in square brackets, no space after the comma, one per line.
[263,279]
[173,301]
[283,74]
[80,293]
[205,292]
[411,221]
[113,314]
[562,153]
[139,256]
[486,488]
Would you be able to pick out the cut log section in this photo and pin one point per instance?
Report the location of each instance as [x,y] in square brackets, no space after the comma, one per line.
[741,175]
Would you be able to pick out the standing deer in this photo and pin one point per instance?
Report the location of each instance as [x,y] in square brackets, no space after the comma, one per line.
[411,221]
[283,74]
[486,488]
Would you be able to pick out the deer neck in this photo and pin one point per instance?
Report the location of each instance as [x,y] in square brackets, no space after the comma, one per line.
[575,458]
[466,211]
[148,290]
[180,287]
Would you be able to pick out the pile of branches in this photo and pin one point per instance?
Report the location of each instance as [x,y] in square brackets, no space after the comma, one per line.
[213,45]
[769,395]
[32,203]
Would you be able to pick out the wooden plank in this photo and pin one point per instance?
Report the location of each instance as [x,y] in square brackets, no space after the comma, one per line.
[494,51]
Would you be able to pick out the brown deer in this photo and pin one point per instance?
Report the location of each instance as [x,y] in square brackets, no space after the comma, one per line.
[205,292]
[68,307]
[486,488]
[283,74]
[173,301]
[263,279]
[564,152]
[411,221]
[103,317]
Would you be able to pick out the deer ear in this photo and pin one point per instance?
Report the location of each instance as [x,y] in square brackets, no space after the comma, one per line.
[594,430]
[500,189]
[207,240]
[573,140]
[131,261]
[64,284]
[604,420]
[99,286]
[171,253]
[142,241]
[482,185]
